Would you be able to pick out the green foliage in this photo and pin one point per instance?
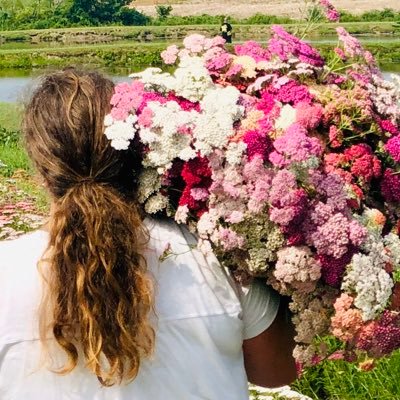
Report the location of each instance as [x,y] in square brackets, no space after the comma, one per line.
[340,380]
[163,12]
[261,19]
[376,15]
[13,158]
[8,138]
[130,16]
[40,14]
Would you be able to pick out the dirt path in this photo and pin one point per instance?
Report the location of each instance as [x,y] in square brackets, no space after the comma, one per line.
[247,8]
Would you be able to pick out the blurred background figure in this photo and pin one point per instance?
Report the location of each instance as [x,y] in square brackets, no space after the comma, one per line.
[226,30]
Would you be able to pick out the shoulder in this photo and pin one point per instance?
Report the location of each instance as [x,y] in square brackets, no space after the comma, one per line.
[20,285]
[19,258]
[25,247]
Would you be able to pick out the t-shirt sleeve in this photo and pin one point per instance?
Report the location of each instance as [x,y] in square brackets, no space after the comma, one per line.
[259,308]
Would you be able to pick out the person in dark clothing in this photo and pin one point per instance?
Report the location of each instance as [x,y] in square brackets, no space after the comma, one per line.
[226,30]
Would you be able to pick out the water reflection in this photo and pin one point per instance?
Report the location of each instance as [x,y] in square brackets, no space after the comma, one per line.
[17,85]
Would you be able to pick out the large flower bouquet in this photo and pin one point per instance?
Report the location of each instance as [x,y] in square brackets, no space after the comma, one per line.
[288,168]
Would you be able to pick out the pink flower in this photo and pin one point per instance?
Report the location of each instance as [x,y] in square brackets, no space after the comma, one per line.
[366,168]
[352,46]
[194,43]
[387,126]
[393,148]
[145,119]
[295,146]
[390,186]
[309,115]
[284,45]
[235,69]
[170,55]
[347,322]
[127,98]
[333,15]
[335,136]
[254,50]
[229,239]
[291,92]
[340,53]
[258,143]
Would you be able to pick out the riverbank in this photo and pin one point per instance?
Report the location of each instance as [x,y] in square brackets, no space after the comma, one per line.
[137,56]
[69,36]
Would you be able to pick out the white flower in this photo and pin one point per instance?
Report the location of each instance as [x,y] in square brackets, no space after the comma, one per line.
[235,152]
[165,140]
[149,182]
[392,241]
[120,132]
[181,214]
[154,78]
[248,65]
[192,79]
[286,118]
[156,203]
[366,276]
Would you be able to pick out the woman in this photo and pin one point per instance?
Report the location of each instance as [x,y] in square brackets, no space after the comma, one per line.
[105,316]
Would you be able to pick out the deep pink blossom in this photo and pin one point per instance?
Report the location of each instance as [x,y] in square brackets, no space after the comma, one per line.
[254,50]
[390,186]
[291,92]
[258,143]
[284,45]
[393,148]
[388,126]
[333,269]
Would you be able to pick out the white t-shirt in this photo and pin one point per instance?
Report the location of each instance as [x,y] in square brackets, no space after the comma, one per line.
[201,321]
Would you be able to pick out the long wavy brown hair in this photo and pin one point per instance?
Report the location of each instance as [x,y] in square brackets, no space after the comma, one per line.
[98,294]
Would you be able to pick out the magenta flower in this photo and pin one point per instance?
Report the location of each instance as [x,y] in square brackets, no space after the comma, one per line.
[254,50]
[284,45]
[258,143]
[393,148]
[390,186]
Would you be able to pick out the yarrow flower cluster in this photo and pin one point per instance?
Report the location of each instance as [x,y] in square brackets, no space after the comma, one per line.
[285,168]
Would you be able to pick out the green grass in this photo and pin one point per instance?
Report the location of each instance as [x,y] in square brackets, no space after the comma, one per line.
[339,380]
[12,159]
[10,116]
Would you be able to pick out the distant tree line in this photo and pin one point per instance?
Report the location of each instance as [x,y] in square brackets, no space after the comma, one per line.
[41,14]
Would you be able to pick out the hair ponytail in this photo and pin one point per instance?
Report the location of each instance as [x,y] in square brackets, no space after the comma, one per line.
[98,285]
[98,295]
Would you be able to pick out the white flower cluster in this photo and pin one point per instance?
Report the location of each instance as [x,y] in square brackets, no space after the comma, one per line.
[120,132]
[366,276]
[386,97]
[192,79]
[156,203]
[155,79]
[392,242]
[286,118]
[214,125]
[149,183]
[235,152]
[163,137]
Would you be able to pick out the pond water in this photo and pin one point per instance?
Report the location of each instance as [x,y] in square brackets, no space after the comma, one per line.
[16,85]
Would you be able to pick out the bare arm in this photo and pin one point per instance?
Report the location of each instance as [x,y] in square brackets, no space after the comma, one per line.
[268,357]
